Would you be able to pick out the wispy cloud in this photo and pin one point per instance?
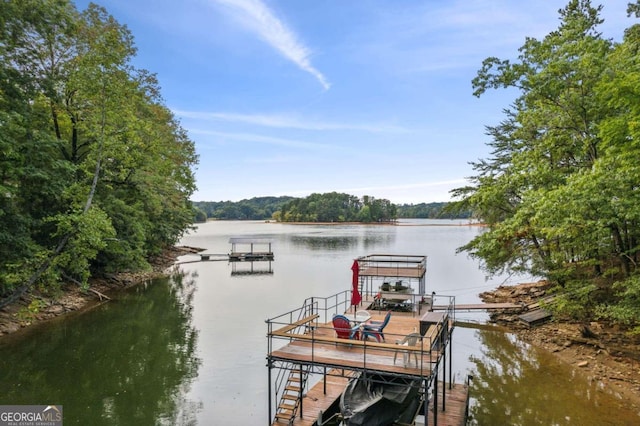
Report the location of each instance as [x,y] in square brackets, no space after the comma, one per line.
[396,193]
[259,18]
[416,185]
[250,137]
[287,121]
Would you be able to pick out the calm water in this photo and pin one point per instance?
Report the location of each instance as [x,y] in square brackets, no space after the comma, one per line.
[190,350]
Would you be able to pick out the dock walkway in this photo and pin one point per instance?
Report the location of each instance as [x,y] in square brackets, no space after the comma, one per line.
[480,307]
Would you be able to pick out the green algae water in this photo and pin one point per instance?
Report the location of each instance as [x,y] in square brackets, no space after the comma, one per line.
[191,349]
[128,362]
[517,384]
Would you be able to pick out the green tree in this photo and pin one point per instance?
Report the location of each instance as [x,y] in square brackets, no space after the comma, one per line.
[558,192]
[337,207]
[92,155]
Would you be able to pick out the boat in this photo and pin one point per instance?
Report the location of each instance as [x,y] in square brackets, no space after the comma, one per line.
[376,400]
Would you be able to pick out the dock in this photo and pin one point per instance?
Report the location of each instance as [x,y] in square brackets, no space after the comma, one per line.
[243,249]
[302,345]
[481,307]
[375,269]
[249,249]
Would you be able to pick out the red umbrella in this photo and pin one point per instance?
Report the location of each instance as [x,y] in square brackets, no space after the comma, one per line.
[355,293]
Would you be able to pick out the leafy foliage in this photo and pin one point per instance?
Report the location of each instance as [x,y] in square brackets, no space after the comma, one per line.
[560,192]
[90,156]
[261,208]
[337,207]
[431,211]
[257,208]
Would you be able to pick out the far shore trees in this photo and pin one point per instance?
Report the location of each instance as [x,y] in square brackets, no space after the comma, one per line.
[337,207]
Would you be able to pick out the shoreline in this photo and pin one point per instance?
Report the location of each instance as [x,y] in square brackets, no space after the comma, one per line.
[602,353]
[24,313]
[380,223]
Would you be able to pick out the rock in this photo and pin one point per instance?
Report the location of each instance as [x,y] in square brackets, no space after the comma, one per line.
[55,310]
[583,363]
[9,328]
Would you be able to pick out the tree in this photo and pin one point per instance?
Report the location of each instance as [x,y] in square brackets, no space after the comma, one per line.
[555,191]
[93,157]
[336,207]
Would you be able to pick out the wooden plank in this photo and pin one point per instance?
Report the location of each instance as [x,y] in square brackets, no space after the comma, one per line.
[397,272]
[535,317]
[455,406]
[479,306]
[284,330]
[316,400]
[354,358]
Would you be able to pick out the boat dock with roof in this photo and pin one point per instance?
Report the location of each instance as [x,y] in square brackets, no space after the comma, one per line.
[310,361]
[309,367]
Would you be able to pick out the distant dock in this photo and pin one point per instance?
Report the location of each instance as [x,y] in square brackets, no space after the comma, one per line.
[250,249]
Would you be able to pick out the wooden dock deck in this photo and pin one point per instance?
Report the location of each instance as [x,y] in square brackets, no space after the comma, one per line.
[311,344]
[317,399]
[397,272]
[323,395]
[320,347]
[455,407]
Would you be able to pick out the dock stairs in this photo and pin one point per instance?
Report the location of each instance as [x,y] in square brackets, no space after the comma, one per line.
[291,396]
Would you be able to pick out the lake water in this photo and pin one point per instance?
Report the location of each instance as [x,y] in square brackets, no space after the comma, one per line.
[191,349]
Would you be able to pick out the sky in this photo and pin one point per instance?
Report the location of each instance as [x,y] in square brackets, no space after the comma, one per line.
[364,97]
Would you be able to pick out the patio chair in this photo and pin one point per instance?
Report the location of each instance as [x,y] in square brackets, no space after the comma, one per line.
[408,340]
[375,328]
[344,329]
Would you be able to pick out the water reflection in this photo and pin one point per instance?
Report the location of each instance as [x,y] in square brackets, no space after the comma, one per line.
[516,384]
[239,269]
[342,242]
[125,363]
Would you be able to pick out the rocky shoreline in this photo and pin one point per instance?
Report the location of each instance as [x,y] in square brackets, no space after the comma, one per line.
[603,353]
[36,307]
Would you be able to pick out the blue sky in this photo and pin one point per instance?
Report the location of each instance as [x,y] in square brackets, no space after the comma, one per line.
[366,97]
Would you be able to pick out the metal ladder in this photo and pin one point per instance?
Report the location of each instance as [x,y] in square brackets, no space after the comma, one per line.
[291,396]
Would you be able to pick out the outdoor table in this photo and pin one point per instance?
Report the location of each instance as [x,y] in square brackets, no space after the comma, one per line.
[359,317]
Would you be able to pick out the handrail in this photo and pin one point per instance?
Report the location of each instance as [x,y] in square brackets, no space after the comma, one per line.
[466,407]
[428,353]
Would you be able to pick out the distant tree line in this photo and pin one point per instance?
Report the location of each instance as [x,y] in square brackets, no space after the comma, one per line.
[330,207]
[258,208]
[431,211]
[337,207]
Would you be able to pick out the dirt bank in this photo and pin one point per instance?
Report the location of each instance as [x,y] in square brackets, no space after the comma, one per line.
[36,307]
[603,353]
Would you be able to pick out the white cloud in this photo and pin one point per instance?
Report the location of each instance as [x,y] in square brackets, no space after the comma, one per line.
[406,193]
[417,185]
[269,140]
[286,121]
[257,17]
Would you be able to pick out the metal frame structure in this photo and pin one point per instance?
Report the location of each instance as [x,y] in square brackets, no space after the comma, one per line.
[287,328]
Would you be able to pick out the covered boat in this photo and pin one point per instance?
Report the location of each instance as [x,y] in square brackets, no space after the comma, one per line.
[377,400]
